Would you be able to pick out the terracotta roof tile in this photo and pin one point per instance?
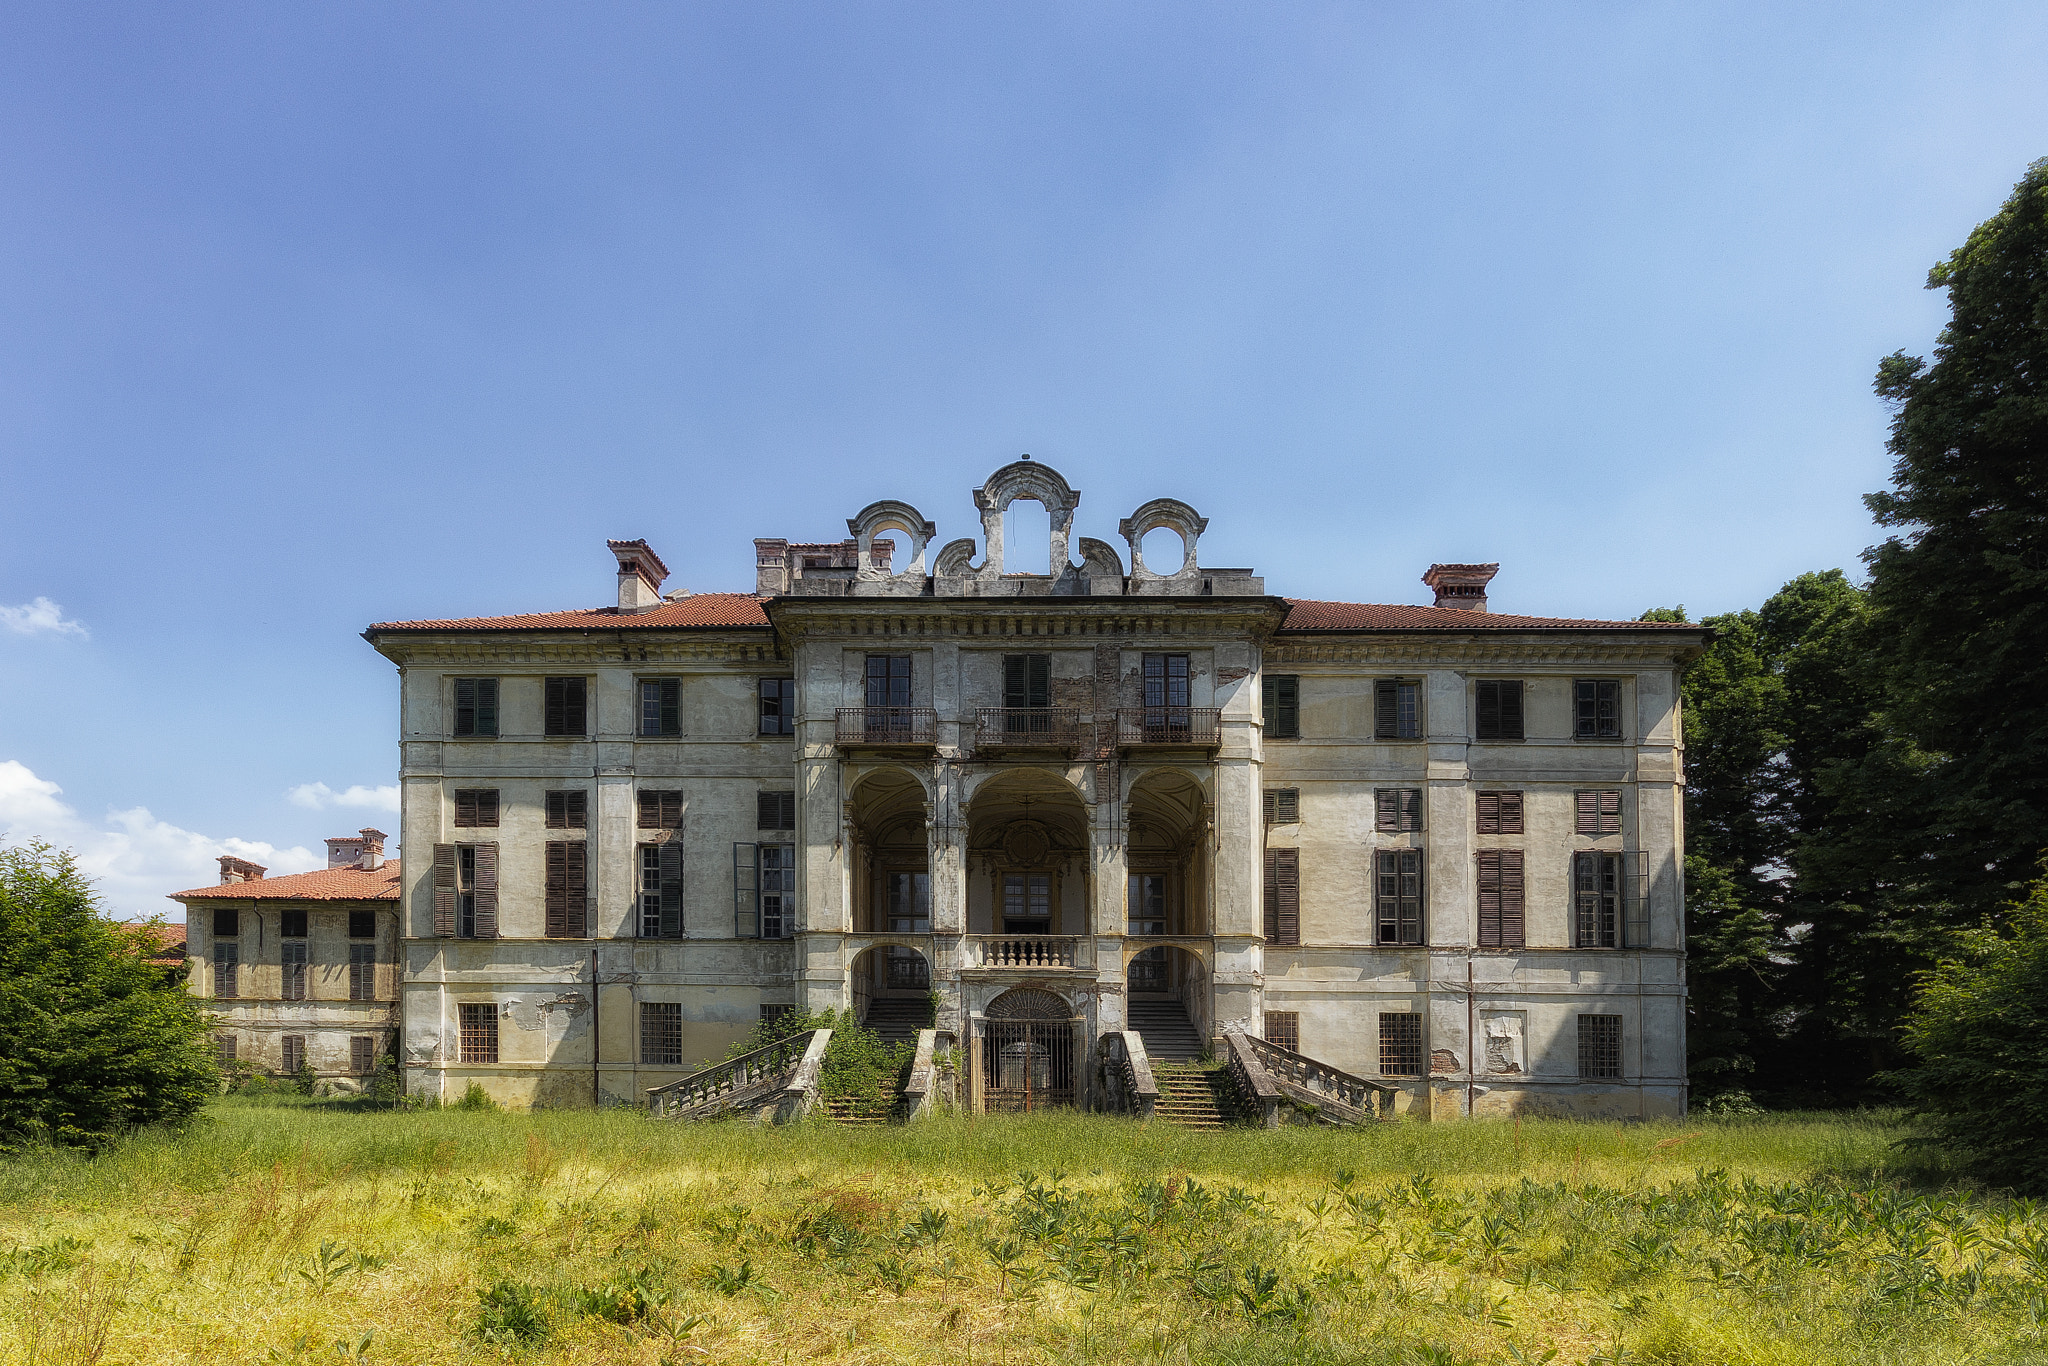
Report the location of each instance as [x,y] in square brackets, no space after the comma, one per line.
[323,884]
[1307,615]
[170,940]
[699,610]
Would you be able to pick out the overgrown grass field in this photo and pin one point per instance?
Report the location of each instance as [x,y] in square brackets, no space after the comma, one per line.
[298,1231]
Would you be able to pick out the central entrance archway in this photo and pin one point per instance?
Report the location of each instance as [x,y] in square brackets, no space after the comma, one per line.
[1029,1041]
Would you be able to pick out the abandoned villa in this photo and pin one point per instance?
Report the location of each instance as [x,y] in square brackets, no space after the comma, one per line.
[1060,819]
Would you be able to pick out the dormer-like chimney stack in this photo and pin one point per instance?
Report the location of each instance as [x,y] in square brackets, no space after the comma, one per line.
[641,574]
[233,870]
[1461,585]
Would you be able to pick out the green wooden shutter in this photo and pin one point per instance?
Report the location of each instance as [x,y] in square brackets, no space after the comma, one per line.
[671,887]
[1287,706]
[486,706]
[487,891]
[746,890]
[444,890]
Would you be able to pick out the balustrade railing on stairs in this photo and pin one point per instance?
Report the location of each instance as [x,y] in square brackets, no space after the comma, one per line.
[1267,1074]
[776,1083]
[1127,1074]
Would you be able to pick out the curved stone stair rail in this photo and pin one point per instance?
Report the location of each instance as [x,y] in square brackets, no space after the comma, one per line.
[777,1084]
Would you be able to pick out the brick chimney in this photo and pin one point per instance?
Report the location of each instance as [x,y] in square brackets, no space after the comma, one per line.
[364,850]
[641,574]
[373,848]
[1461,585]
[234,869]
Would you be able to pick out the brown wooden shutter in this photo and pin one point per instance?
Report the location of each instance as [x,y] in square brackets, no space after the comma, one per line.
[1610,812]
[1288,805]
[557,891]
[1386,718]
[487,807]
[1588,822]
[1489,710]
[1272,897]
[1489,814]
[577,874]
[671,886]
[1489,898]
[486,891]
[465,807]
[1511,710]
[1386,811]
[650,811]
[1287,900]
[1511,898]
[1510,813]
[1272,798]
[444,890]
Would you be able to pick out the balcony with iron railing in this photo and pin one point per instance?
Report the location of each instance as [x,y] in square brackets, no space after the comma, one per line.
[1022,728]
[1169,728]
[886,728]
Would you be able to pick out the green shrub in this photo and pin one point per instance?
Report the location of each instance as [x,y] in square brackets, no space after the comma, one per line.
[305,1080]
[510,1315]
[1979,1030]
[475,1098]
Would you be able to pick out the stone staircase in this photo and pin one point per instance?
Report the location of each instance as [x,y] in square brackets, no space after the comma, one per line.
[1192,1093]
[897,1018]
[1169,1037]
[864,1112]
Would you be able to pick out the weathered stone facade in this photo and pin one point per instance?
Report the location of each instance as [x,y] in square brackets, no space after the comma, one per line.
[1091,783]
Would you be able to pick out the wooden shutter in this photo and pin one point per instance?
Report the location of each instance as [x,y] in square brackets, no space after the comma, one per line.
[554,721]
[1599,811]
[465,807]
[1511,710]
[746,891]
[1280,696]
[557,890]
[1510,812]
[465,706]
[578,887]
[1500,898]
[1398,809]
[1385,712]
[444,890]
[486,891]
[487,807]
[486,706]
[1283,874]
[1272,897]
[1489,814]
[1489,711]
[1610,812]
[1287,805]
[671,706]
[1272,804]
[671,888]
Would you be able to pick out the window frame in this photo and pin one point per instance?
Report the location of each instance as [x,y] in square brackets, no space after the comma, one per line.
[1052,909]
[658,881]
[1280,705]
[476,1027]
[1396,1039]
[1502,690]
[661,1034]
[565,699]
[1589,723]
[661,709]
[783,721]
[1601,1039]
[1386,708]
[1282,1029]
[1389,863]
[481,706]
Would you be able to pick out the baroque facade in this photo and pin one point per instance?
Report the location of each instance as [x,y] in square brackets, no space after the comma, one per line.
[1432,845]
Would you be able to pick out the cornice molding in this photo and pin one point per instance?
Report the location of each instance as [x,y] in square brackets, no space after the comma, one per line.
[1493,651]
[584,647]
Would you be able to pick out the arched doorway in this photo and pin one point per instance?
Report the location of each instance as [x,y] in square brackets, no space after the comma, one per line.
[892,991]
[1168,999]
[1029,1052]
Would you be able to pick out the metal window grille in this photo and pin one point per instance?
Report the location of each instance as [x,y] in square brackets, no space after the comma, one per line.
[1600,1045]
[227,963]
[362,1054]
[661,1034]
[1283,1028]
[294,1052]
[770,1013]
[1400,1045]
[226,1044]
[294,971]
[479,1033]
[362,972]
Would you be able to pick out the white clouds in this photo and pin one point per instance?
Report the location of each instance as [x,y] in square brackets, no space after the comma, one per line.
[319,796]
[132,857]
[40,617]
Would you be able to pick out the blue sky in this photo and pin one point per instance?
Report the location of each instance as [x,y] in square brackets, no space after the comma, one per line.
[313,316]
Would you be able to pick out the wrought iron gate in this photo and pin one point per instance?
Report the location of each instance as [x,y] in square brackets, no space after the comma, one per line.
[1029,1064]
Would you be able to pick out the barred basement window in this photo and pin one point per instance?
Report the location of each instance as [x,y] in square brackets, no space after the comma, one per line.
[771,1013]
[1283,1029]
[1397,709]
[1596,709]
[1397,894]
[476,706]
[568,810]
[362,972]
[1600,1045]
[227,963]
[1397,809]
[564,711]
[479,1033]
[1283,805]
[476,807]
[778,706]
[292,924]
[1500,709]
[1599,812]
[775,811]
[362,924]
[1400,1045]
[362,1054]
[661,706]
[294,959]
[1500,813]
[661,810]
[294,1052]
[661,1034]
[1281,697]
[226,1044]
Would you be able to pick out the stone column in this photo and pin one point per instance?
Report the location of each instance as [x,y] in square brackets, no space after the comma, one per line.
[1109,883]
[946,858]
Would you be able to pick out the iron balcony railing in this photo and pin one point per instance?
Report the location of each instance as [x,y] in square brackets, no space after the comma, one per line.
[1189,726]
[1026,728]
[887,726]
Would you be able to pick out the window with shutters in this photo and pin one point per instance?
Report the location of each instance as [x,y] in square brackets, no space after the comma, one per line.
[568,810]
[1596,709]
[362,972]
[1599,811]
[1283,805]
[661,706]
[661,810]
[294,1052]
[1283,896]
[1500,813]
[764,890]
[661,890]
[1500,899]
[294,959]
[1499,708]
[476,807]
[227,923]
[227,969]
[225,1043]
[1281,697]
[362,1054]
[1397,809]
[1027,683]
[362,924]
[778,706]
[661,1034]
[567,890]
[1597,887]
[479,1032]
[1599,1046]
[1283,1029]
[1397,895]
[1400,1044]
[563,709]
[476,707]
[1397,709]
[775,811]
[292,924]
[1027,903]
[466,891]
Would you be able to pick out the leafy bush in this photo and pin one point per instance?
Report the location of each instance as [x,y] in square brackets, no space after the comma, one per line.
[475,1098]
[100,1039]
[857,1062]
[1979,1028]
[510,1315]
